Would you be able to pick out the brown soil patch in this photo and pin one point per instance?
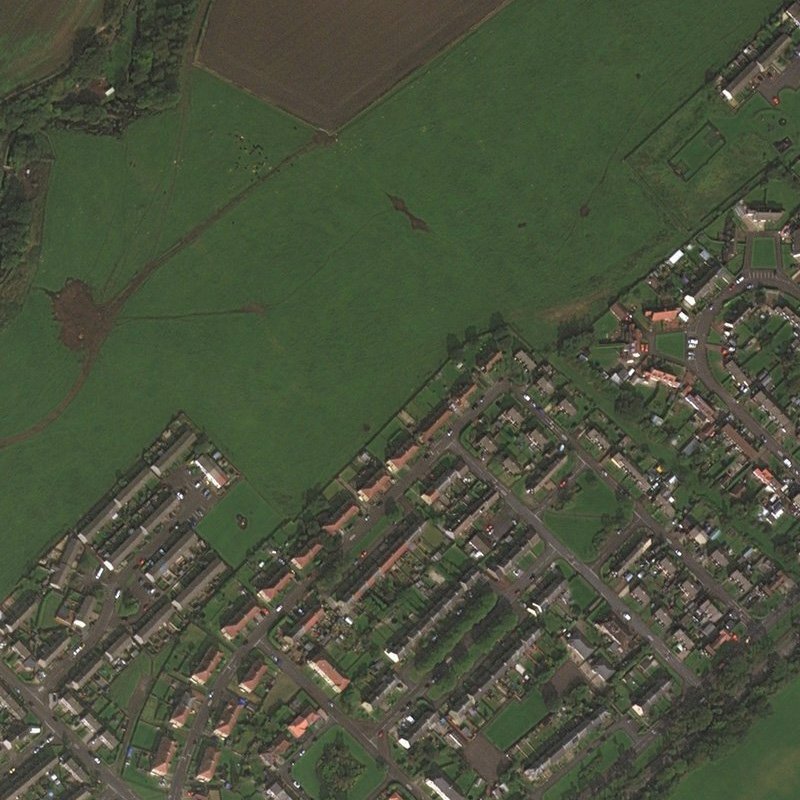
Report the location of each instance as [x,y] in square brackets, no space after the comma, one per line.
[398,204]
[326,61]
[565,678]
[85,324]
[585,210]
[576,308]
[254,308]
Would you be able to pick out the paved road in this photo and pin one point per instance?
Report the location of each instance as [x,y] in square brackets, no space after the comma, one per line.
[701,328]
[216,699]
[589,575]
[36,702]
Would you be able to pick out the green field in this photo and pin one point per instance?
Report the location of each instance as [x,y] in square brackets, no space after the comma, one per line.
[223,533]
[764,253]
[354,307]
[697,151]
[304,770]
[595,763]
[672,344]
[36,36]
[690,171]
[765,764]
[515,720]
[579,523]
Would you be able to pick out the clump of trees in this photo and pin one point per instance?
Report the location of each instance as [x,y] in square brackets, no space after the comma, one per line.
[140,48]
[337,770]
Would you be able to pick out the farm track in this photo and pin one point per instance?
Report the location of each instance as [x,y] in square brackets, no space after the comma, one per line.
[112,308]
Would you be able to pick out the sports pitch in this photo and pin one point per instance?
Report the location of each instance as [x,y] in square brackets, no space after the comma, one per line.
[290,307]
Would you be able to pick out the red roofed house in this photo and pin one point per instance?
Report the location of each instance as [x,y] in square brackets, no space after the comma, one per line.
[269,593]
[302,561]
[182,712]
[163,757]
[430,431]
[330,675]
[659,376]
[398,462]
[208,764]
[235,628]
[228,720]
[495,359]
[669,315]
[378,487]
[764,476]
[207,667]
[250,681]
[301,724]
[311,622]
[342,520]
[462,401]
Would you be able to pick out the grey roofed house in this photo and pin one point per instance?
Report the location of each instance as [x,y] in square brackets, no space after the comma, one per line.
[766,59]
[154,624]
[52,649]
[93,526]
[199,585]
[174,452]
[91,723]
[442,789]
[580,649]
[128,543]
[19,612]
[277,792]
[525,360]
[179,551]
[135,540]
[793,12]
[69,704]
[13,788]
[160,514]
[119,647]
[84,675]
[84,612]
[104,739]
[741,82]
[127,493]
[70,556]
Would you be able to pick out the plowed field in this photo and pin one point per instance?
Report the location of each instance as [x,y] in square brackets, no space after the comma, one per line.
[326,61]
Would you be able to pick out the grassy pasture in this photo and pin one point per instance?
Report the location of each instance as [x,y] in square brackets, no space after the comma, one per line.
[304,770]
[357,306]
[579,521]
[36,36]
[672,344]
[690,171]
[222,532]
[765,764]
[515,720]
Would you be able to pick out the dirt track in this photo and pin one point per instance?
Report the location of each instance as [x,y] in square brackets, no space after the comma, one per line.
[326,61]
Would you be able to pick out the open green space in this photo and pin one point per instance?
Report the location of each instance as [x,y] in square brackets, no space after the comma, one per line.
[221,530]
[764,253]
[672,344]
[690,171]
[765,764]
[274,328]
[515,719]
[36,37]
[593,764]
[305,769]
[697,151]
[586,514]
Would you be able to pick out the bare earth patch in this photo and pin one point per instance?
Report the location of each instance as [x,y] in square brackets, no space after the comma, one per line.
[326,61]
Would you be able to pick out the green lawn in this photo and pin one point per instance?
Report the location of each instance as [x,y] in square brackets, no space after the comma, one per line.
[36,36]
[515,720]
[672,344]
[304,770]
[764,255]
[356,306]
[580,522]
[223,533]
[764,765]
[598,761]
